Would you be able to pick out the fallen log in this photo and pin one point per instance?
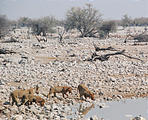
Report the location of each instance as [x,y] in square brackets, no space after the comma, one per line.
[105,57]
[141,38]
[132,57]
[103,49]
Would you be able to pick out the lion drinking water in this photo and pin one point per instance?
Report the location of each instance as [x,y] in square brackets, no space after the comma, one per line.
[84,91]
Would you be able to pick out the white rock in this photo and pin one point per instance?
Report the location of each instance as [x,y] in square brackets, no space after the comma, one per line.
[17,117]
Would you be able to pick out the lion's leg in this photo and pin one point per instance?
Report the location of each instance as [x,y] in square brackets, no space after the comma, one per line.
[85,96]
[16,101]
[54,94]
[66,94]
[48,95]
[24,101]
[81,96]
[12,102]
[63,94]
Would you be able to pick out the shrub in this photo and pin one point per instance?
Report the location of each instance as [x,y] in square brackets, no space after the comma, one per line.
[43,25]
[86,20]
[126,21]
[140,21]
[24,22]
[106,28]
[4,25]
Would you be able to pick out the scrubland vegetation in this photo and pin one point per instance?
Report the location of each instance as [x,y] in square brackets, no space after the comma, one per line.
[87,20]
[109,57]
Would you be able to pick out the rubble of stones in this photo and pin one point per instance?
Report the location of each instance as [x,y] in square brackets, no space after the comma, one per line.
[51,63]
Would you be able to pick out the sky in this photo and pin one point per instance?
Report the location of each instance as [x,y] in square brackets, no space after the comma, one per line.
[110,9]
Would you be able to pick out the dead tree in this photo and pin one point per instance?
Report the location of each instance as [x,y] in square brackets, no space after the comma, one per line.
[140,38]
[105,57]
[61,32]
[41,39]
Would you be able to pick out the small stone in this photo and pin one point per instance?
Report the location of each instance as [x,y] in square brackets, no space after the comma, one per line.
[138,118]
[17,117]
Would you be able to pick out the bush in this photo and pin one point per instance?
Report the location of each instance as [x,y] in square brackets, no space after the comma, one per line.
[24,22]
[4,25]
[86,20]
[126,21]
[44,25]
[106,28]
[140,21]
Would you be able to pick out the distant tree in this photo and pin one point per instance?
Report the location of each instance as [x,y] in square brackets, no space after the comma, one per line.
[106,28]
[126,21]
[4,25]
[24,22]
[86,20]
[13,24]
[140,21]
[44,25]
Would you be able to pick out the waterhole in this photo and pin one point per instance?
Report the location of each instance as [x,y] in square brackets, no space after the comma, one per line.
[116,110]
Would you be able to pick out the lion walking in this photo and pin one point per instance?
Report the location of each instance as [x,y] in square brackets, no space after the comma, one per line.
[59,89]
[16,95]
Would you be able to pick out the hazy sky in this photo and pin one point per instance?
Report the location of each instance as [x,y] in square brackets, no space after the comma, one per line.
[111,9]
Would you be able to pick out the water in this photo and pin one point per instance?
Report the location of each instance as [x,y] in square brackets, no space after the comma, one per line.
[121,110]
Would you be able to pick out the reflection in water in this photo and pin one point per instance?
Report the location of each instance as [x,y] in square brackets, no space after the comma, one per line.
[117,110]
[147,109]
[84,111]
[122,110]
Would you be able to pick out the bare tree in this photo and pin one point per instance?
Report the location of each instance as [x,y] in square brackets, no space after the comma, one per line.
[86,20]
[61,32]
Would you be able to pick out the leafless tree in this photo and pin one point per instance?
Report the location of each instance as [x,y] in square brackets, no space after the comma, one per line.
[86,20]
[61,32]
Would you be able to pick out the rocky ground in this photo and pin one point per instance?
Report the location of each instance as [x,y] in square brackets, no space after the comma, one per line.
[53,63]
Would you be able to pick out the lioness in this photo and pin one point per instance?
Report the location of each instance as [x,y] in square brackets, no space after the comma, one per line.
[59,89]
[18,94]
[29,98]
[83,91]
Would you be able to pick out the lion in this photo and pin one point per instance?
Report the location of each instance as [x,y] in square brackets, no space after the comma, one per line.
[60,89]
[84,91]
[28,99]
[18,94]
